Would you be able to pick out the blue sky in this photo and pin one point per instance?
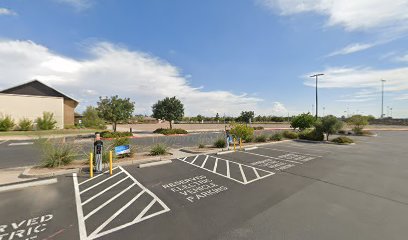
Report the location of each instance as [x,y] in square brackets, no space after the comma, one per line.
[217,56]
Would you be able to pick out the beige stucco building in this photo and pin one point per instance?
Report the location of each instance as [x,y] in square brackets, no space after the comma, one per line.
[30,100]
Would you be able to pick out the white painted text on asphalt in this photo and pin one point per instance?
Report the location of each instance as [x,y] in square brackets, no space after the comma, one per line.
[25,229]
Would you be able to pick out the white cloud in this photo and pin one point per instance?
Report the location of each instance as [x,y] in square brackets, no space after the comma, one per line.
[78,4]
[352,48]
[342,77]
[111,70]
[279,109]
[403,58]
[5,11]
[402,97]
[352,15]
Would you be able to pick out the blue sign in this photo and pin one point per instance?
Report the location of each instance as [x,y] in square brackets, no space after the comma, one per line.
[119,150]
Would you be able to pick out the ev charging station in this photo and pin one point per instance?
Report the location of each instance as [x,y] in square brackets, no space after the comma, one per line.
[98,151]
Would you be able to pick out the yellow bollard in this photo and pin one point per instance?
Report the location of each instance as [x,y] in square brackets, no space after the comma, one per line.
[110,162]
[234,145]
[91,165]
[240,144]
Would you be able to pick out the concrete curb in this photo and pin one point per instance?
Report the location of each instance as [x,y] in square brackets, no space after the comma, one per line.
[225,152]
[21,185]
[151,164]
[26,173]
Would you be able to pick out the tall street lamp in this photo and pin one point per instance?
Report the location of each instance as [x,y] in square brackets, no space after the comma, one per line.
[382,97]
[317,76]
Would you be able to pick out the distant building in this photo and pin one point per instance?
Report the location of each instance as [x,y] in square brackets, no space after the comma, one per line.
[31,99]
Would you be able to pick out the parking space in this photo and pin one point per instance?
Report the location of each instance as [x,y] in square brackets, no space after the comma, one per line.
[276,191]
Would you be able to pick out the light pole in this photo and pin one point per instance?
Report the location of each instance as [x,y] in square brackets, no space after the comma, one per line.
[317,76]
[382,97]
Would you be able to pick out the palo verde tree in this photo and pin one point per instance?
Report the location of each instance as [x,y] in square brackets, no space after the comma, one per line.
[169,109]
[358,122]
[115,109]
[328,125]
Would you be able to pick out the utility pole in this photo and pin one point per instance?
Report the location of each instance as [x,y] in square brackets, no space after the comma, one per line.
[317,102]
[382,97]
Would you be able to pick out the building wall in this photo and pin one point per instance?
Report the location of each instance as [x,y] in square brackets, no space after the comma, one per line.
[31,107]
[69,110]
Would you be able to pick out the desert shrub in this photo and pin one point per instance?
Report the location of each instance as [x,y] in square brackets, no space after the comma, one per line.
[367,133]
[249,138]
[261,138]
[276,137]
[358,122]
[343,139]
[6,123]
[56,154]
[290,134]
[201,145]
[70,127]
[220,143]
[311,134]
[242,131]
[342,132]
[25,124]
[158,149]
[167,131]
[107,134]
[258,128]
[47,121]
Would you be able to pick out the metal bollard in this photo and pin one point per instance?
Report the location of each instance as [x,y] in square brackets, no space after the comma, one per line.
[234,145]
[91,165]
[110,162]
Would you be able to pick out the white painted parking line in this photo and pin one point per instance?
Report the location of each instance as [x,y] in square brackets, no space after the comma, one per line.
[99,183]
[90,179]
[138,217]
[21,143]
[277,158]
[279,150]
[205,160]
[3,142]
[194,159]
[105,190]
[217,160]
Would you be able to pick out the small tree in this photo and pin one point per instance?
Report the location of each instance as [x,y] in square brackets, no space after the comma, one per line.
[169,109]
[242,131]
[246,116]
[328,125]
[303,121]
[91,119]
[115,109]
[358,122]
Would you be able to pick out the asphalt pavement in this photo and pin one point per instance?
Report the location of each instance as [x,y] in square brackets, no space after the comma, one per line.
[287,190]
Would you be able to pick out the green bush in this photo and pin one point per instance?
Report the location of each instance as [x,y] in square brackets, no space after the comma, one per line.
[167,131]
[6,123]
[56,154]
[290,134]
[343,140]
[249,138]
[158,149]
[242,131]
[201,145]
[358,122]
[311,134]
[258,128]
[107,134]
[47,122]
[261,138]
[276,137]
[220,143]
[25,124]
[91,119]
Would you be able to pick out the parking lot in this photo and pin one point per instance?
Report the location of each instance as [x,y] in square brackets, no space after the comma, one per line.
[287,190]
